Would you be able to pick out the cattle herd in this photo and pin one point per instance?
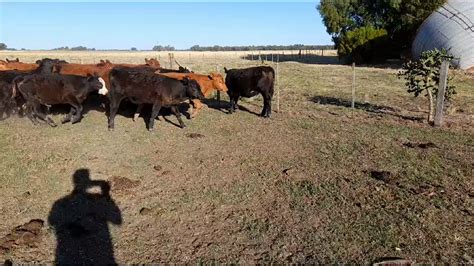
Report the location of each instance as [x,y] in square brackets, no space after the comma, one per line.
[30,89]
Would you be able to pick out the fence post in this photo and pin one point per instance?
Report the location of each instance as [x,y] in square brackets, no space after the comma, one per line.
[278,83]
[170,55]
[218,94]
[443,80]
[353,88]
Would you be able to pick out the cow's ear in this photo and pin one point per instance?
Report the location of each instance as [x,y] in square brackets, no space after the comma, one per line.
[18,60]
[226,70]
[210,77]
[38,62]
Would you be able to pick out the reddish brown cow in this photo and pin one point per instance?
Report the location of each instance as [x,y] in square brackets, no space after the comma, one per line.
[103,68]
[208,84]
[17,65]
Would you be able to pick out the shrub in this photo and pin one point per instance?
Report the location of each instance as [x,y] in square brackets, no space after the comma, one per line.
[361,45]
[423,75]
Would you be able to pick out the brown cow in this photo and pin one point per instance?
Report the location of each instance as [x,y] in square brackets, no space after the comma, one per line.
[17,65]
[103,68]
[208,84]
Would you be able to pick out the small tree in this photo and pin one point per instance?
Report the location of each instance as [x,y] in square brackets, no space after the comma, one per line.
[3,46]
[423,76]
[133,49]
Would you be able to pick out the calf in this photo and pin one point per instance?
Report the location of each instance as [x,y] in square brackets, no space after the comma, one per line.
[145,87]
[48,89]
[208,84]
[11,99]
[249,82]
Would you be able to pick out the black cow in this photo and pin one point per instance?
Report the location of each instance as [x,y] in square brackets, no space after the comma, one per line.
[144,87]
[47,89]
[179,70]
[10,99]
[249,82]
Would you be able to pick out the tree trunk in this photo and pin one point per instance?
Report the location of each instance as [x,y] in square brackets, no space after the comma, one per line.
[431,106]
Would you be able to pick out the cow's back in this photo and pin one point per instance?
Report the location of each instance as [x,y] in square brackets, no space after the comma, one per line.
[247,79]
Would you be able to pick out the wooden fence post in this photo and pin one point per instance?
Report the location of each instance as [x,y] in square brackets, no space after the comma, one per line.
[170,55]
[353,88]
[218,92]
[443,80]
[278,82]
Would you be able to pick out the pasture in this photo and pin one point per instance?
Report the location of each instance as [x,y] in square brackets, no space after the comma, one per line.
[317,182]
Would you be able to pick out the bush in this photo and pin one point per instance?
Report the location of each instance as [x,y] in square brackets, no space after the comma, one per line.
[423,76]
[362,45]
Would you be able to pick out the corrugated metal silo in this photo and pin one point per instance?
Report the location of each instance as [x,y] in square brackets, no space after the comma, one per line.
[450,27]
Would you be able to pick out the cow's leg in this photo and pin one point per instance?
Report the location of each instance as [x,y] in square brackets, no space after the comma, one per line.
[176,112]
[67,118]
[78,116]
[113,108]
[2,110]
[197,106]
[38,113]
[29,113]
[154,113]
[137,112]
[267,104]
[233,103]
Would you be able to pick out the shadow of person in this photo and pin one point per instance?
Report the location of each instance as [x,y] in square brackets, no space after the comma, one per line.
[80,221]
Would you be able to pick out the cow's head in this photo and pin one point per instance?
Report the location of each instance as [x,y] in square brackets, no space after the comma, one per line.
[217,81]
[96,83]
[193,90]
[152,62]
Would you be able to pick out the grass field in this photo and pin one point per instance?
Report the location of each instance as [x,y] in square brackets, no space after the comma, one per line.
[317,182]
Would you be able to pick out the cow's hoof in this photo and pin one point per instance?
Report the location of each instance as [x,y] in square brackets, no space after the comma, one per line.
[183,126]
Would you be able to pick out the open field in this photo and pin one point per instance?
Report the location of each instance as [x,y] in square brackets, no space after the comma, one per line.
[315,183]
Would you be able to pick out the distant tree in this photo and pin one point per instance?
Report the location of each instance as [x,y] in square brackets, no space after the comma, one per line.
[133,49]
[80,48]
[3,46]
[163,48]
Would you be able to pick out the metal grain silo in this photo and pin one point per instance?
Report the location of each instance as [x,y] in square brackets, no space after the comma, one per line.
[450,27]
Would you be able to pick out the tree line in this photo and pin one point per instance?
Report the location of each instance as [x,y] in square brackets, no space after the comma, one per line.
[201,48]
[260,47]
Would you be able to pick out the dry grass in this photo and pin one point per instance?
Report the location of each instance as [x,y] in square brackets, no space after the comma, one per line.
[300,187]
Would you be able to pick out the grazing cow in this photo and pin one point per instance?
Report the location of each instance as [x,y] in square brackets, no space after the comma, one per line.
[48,89]
[145,87]
[208,84]
[9,99]
[249,82]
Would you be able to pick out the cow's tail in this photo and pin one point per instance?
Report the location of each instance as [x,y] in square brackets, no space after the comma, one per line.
[15,85]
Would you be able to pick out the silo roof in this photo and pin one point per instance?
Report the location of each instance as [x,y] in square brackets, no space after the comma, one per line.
[450,27]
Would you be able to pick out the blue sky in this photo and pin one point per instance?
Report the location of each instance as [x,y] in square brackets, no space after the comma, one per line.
[122,25]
